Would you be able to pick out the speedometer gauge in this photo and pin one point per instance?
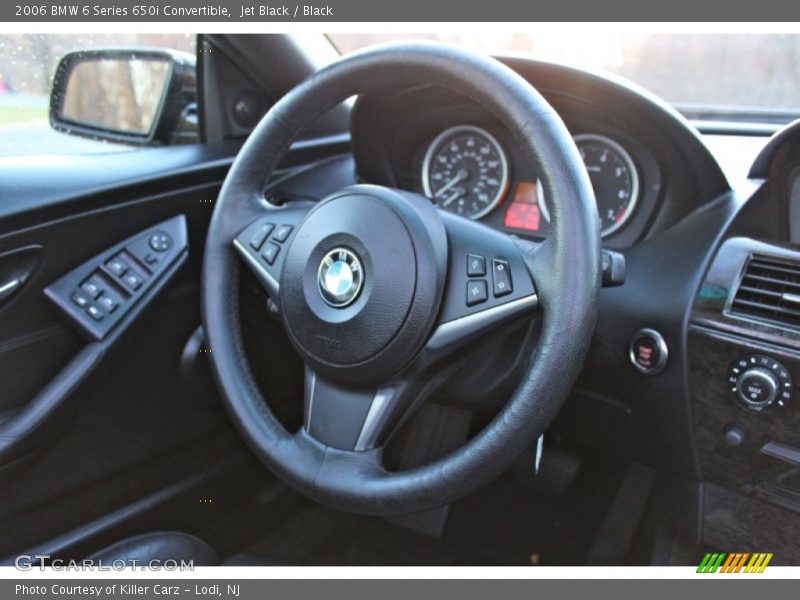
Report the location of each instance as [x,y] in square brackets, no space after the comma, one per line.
[614,179]
[465,171]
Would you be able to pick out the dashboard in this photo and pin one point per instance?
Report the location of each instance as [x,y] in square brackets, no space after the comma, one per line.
[443,145]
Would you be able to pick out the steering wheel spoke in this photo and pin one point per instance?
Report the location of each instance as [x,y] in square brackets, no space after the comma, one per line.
[488,283]
[354,418]
[262,243]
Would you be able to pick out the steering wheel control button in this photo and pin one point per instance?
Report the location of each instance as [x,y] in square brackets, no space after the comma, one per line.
[93,287]
[117,266]
[501,278]
[270,253]
[95,313]
[282,233]
[340,277]
[477,292]
[758,381]
[260,236]
[648,351]
[476,265]
[160,241]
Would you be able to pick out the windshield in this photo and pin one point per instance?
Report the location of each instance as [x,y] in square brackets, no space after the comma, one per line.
[706,76]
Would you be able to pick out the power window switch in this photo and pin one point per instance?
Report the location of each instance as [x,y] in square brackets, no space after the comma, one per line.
[92,287]
[94,312]
[477,292]
[108,303]
[80,299]
[132,280]
[117,266]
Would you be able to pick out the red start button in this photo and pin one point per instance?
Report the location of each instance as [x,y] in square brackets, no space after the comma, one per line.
[648,351]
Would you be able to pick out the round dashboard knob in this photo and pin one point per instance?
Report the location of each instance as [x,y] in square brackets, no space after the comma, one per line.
[758,387]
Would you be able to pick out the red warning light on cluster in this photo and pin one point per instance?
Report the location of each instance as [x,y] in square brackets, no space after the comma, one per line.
[523,211]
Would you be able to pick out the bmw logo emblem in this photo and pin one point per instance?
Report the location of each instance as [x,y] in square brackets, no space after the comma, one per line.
[340,277]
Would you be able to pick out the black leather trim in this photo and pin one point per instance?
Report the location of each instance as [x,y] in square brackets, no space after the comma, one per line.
[159,546]
[566,269]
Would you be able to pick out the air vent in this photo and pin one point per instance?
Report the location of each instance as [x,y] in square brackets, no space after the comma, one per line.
[769,290]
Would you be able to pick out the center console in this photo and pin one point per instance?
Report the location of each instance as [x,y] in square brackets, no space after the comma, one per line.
[744,368]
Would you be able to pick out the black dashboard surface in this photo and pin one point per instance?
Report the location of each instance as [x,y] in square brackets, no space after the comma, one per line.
[393,132]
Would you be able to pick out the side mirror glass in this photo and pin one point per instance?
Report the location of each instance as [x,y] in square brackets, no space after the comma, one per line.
[129,96]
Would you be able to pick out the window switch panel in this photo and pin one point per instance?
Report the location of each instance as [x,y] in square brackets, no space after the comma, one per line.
[102,292]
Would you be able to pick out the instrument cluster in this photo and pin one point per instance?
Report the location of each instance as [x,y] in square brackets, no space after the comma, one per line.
[468,171]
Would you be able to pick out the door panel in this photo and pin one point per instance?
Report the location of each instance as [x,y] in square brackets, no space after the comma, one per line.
[130,426]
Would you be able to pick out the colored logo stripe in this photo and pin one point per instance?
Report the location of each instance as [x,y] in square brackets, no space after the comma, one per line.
[734,562]
[758,563]
[711,562]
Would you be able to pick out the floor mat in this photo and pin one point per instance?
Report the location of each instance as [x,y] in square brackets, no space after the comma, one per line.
[504,523]
[323,536]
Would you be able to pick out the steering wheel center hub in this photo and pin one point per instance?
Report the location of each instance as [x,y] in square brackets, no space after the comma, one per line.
[353,282]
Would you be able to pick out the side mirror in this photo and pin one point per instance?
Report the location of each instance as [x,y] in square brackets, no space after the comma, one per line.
[145,97]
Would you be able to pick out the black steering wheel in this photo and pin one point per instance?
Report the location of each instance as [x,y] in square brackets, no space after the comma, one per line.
[377,288]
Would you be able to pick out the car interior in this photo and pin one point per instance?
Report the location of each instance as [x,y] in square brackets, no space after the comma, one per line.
[412,306]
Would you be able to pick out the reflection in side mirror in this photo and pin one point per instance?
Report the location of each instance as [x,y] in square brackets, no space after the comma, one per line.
[133,96]
[117,95]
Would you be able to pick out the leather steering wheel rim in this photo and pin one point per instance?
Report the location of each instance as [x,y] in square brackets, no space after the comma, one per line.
[566,268]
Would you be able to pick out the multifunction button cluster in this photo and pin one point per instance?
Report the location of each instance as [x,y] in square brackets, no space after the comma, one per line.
[478,286]
[758,381]
[269,247]
[116,280]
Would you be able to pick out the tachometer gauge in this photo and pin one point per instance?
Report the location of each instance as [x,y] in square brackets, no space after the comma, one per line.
[465,171]
[614,179]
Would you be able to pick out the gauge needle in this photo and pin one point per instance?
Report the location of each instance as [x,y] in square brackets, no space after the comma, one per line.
[460,176]
[456,193]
